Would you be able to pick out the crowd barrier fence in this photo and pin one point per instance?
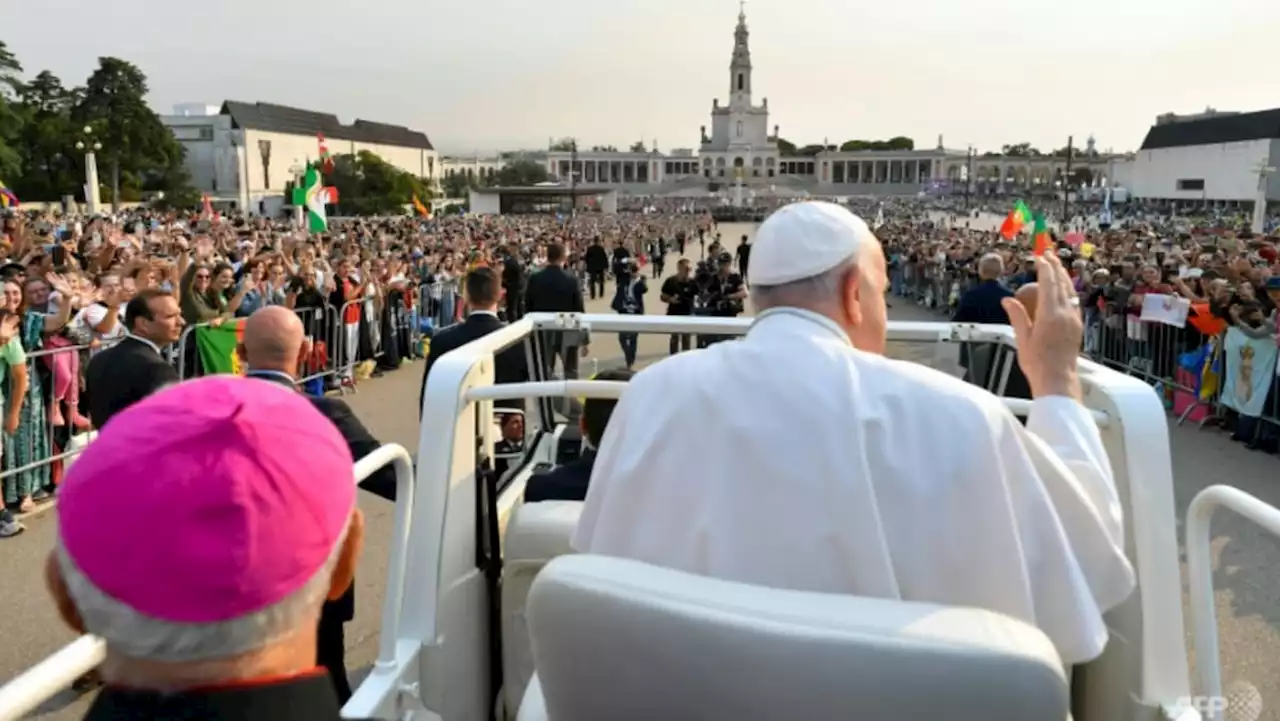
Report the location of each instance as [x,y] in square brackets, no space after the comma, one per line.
[34,457]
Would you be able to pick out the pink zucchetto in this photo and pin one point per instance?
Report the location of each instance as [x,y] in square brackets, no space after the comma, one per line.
[208,501]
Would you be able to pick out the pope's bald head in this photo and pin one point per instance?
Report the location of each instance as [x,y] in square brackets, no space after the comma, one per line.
[273,338]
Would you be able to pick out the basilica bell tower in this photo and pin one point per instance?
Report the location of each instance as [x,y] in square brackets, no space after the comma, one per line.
[740,65]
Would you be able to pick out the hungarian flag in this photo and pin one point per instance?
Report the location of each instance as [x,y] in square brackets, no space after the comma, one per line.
[217,347]
[1018,217]
[1043,240]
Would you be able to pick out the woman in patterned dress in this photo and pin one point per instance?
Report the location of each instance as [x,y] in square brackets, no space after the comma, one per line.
[18,487]
[30,443]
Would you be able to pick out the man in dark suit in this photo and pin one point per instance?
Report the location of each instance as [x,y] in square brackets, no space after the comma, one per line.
[133,369]
[513,283]
[984,304]
[273,345]
[597,262]
[569,482]
[483,290]
[555,290]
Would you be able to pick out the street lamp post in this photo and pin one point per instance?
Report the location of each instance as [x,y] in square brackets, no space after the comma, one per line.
[90,146]
[573,178]
[264,149]
[1260,201]
[240,141]
[969,179]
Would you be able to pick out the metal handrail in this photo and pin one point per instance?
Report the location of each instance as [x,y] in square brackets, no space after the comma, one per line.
[1204,615]
[33,687]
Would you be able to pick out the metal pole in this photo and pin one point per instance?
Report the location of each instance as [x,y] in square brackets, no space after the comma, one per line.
[1066,184]
[573,178]
[968,181]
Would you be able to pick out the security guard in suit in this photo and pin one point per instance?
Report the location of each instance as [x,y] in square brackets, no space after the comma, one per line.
[483,291]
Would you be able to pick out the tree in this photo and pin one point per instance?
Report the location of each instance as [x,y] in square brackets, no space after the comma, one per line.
[604,148]
[899,142]
[50,161]
[369,185]
[563,145]
[140,149]
[812,150]
[786,147]
[521,173]
[638,147]
[10,118]
[1020,150]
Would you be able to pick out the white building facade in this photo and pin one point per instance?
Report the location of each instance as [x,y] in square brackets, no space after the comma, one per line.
[246,154]
[741,145]
[1212,158]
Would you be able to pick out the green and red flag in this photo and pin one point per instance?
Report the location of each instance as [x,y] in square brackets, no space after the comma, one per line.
[1018,217]
[1043,241]
[217,348]
[313,196]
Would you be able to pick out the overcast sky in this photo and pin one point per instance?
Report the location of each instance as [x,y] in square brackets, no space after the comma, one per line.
[504,74]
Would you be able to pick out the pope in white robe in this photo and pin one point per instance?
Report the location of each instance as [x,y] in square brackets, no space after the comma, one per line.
[799,457]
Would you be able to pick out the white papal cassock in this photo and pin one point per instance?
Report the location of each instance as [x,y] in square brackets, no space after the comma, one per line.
[792,460]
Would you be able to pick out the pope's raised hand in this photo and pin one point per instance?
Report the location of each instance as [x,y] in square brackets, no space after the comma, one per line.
[1049,345]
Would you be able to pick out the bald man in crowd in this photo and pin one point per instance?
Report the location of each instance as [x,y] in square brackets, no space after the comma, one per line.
[208,609]
[273,346]
[914,485]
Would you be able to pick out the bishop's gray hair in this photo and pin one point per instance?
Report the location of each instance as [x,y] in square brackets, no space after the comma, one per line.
[806,292]
[136,635]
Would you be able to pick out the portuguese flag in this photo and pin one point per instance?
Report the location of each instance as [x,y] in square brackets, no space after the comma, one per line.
[1041,235]
[217,348]
[1018,217]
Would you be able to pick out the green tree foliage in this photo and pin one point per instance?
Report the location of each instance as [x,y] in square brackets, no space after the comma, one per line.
[1020,150]
[812,150]
[136,145]
[899,142]
[604,148]
[51,164]
[564,145]
[786,147]
[521,173]
[369,185]
[42,120]
[638,147]
[11,120]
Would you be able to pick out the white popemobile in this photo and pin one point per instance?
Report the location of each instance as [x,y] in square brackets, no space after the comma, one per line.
[490,615]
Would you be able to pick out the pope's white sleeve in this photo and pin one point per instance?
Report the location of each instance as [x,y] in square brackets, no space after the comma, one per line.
[1069,520]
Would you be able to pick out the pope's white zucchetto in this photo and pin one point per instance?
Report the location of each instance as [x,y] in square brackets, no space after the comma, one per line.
[803,240]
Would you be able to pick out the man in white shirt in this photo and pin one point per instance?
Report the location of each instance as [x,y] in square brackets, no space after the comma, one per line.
[800,457]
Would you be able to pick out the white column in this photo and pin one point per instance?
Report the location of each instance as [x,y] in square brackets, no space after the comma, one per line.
[91,195]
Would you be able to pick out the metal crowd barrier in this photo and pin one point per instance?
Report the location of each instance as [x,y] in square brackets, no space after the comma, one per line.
[52,426]
[33,459]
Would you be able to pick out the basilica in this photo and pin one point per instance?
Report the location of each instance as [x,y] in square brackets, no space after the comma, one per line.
[740,148]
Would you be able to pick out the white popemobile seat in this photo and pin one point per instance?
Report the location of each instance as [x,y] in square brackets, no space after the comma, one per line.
[625,641]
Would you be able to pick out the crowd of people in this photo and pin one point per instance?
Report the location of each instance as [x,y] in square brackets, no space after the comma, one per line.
[1216,280]
[369,291]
